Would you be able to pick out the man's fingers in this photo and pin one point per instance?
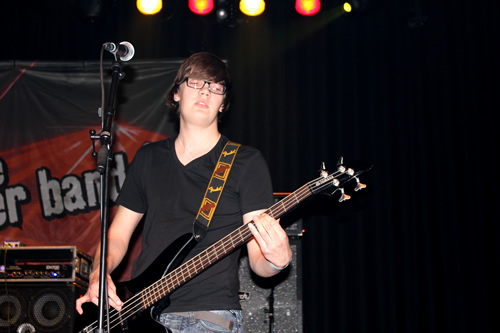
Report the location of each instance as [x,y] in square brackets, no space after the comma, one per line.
[85,298]
[114,301]
[267,226]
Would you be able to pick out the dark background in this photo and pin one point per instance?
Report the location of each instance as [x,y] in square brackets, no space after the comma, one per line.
[409,87]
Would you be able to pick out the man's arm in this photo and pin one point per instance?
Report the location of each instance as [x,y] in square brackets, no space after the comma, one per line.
[119,234]
[270,245]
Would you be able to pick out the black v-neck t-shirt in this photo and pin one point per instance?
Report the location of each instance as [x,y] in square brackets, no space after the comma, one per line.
[170,194]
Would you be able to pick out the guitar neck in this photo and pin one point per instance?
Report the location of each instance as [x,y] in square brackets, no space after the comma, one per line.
[289,202]
[216,252]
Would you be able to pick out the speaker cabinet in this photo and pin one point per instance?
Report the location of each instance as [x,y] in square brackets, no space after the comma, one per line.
[38,307]
[272,304]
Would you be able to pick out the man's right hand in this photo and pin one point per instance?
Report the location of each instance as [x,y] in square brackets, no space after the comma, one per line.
[92,294]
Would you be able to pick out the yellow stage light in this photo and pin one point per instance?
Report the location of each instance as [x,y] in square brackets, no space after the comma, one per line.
[252,7]
[149,7]
[347,7]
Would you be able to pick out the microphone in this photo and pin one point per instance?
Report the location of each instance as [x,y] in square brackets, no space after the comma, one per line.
[124,50]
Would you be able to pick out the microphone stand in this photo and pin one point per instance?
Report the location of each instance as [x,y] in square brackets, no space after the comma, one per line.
[103,164]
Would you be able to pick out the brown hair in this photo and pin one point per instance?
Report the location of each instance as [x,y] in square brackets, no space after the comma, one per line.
[206,66]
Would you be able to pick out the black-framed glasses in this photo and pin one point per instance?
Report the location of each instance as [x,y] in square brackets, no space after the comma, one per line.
[216,88]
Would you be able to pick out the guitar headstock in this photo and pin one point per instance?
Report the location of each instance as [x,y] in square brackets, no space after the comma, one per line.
[336,181]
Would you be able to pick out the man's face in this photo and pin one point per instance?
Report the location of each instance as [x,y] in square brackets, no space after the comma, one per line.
[198,106]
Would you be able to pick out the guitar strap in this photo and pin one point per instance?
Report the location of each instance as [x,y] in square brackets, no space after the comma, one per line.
[214,190]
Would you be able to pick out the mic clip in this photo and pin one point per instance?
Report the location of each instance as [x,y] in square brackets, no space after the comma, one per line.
[125,50]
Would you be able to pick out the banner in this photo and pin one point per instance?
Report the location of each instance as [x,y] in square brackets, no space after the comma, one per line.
[49,185]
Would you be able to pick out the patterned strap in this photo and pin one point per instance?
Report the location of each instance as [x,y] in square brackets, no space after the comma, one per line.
[214,190]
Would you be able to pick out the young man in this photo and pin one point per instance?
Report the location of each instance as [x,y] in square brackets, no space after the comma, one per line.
[166,183]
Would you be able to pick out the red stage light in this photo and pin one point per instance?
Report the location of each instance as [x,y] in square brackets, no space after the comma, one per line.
[307,7]
[201,7]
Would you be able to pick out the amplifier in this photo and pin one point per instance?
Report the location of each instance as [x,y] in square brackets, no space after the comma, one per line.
[45,264]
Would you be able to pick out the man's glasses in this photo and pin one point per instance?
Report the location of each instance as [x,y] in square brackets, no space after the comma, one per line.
[216,88]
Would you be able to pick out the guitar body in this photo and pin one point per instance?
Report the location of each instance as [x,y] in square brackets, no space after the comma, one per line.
[167,261]
[140,322]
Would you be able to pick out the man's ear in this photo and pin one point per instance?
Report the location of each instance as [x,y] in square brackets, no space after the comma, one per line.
[176,97]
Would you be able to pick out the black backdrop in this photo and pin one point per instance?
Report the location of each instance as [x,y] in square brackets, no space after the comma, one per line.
[417,251]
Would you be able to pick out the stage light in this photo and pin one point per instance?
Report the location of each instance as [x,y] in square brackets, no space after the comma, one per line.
[225,12]
[149,7]
[307,7]
[252,7]
[222,14]
[201,7]
[359,6]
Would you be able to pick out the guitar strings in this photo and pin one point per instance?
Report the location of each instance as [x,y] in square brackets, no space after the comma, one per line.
[176,278]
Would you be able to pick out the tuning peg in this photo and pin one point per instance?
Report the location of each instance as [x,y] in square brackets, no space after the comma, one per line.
[322,170]
[359,185]
[340,161]
[343,196]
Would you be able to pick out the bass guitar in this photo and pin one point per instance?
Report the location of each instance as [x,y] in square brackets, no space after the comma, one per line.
[160,286]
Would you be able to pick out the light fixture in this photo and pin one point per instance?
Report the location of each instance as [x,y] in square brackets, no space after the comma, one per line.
[149,7]
[307,7]
[201,7]
[222,14]
[359,6]
[252,7]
